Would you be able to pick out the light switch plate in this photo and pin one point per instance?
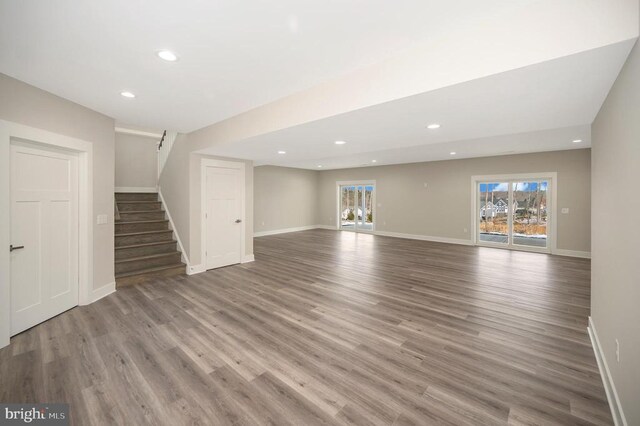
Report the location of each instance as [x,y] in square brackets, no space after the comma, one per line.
[102,219]
[565,210]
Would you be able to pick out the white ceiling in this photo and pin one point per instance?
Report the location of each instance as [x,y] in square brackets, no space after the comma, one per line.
[371,72]
[542,107]
[234,55]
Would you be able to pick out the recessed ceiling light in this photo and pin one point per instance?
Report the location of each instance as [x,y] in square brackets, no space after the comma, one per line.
[340,142]
[433,126]
[577,140]
[452,153]
[128,94]
[319,165]
[374,161]
[282,152]
[167,55]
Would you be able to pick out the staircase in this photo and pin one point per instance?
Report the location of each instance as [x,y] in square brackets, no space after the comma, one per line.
[144,244]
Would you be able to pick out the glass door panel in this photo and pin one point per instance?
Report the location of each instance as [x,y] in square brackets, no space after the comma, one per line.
[367,208]
[356,207]
[347,207]
[530,216]
[493,204]
[359,213]
[513,214]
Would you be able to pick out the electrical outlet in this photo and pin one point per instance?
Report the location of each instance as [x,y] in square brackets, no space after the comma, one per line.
[263,223]
[426,184]
[617,350]
[465,230]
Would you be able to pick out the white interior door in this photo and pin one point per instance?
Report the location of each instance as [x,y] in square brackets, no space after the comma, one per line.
[223,216]
[44,235]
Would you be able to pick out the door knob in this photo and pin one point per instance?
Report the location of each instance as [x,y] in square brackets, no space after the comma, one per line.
[12,248]
[238,220]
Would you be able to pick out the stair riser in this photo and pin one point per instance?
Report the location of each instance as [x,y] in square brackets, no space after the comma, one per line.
[130,196]
[132,217]
[127,207]
[141,227]
[145,251]
[149,276]
[142,239]
[147,263]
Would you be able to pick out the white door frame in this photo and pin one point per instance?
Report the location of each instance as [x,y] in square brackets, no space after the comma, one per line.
[238,165]
[373,203]
[551,177]
[10,132]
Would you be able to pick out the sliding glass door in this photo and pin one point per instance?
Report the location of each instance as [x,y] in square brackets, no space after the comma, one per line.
[356,207]
[513,213]
[494,218]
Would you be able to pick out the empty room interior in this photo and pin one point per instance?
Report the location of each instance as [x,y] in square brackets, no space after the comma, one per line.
[319,212]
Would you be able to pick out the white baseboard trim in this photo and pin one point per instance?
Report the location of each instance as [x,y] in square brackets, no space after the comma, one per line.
[609,387]
[198,269]
[136,189]
[424,238]
[285,231]
[329,227]
[572,253]
[559,252]
[382,233]
[195,269]
[184,256]
[103,291]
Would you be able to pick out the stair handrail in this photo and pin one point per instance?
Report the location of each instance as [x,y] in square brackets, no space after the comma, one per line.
[164,135]
[164,148]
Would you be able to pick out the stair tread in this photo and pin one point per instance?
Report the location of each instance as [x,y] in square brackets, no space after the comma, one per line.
[149,270]
[144,232]
[155,243]
[147,257]
[128,222]
[136,201]
[140,211]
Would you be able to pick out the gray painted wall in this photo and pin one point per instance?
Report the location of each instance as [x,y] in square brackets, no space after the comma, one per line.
[442,208]
[28,105]
[136,161]
[285,198]
[615,266]
[180,186]
[174,186]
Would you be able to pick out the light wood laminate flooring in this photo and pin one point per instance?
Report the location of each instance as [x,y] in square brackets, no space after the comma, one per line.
[328,327]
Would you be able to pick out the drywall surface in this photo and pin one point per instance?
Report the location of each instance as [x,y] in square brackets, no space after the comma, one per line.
[434,198]
[615,266]
[136,161]
[284,198]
